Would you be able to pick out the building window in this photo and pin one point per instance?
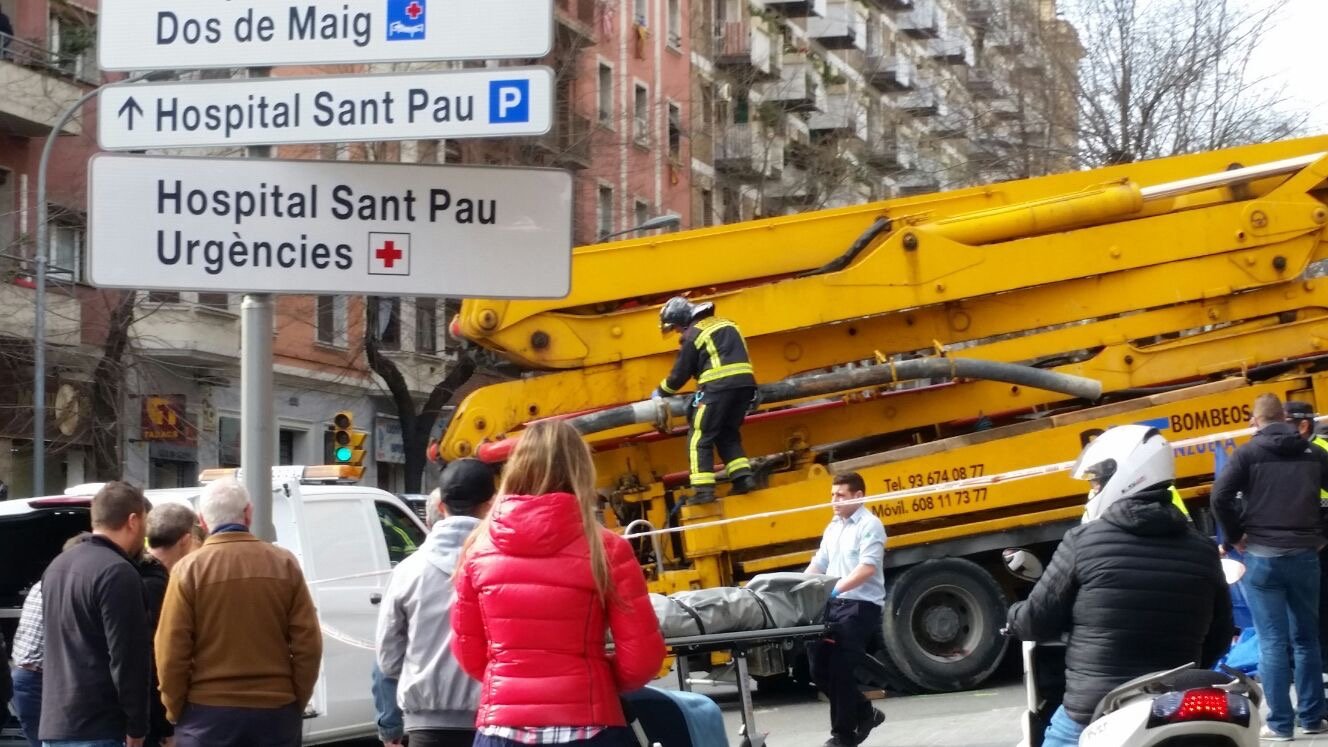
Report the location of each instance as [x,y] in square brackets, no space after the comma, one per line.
[65,253]
[707,207]
[605,94]
[163,296]
[604,210]
[215,301]
[675,133]
[387,322]
[330,320]
[642,114]
[641,11]
[675,23]
[73,38]
[228,442]
[641,211]
[426,325]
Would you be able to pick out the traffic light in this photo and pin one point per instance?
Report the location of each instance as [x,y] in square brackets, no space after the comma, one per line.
[347,442]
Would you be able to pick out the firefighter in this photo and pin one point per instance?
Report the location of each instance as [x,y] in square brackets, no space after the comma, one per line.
[713,352]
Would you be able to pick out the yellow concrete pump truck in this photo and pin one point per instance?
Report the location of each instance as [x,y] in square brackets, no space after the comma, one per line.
[925,340]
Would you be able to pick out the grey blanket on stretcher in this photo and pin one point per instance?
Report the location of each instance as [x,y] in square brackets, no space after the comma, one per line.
[771,600]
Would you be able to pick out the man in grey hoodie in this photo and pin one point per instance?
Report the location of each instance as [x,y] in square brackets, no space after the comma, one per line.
[436,697]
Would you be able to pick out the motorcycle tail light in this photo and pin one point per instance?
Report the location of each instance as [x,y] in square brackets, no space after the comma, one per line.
[1200,704]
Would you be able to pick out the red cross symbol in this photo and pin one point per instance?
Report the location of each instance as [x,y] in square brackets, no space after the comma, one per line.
[413,10]
[388,253]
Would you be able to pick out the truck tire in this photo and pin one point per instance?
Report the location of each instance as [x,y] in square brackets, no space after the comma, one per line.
[942,624]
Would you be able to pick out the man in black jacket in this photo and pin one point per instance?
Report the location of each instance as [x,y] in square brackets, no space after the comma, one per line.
[1280,475]
[1107,589]
[96,679]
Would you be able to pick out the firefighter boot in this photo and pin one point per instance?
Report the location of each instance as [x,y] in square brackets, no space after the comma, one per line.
[703,494]
[743,484]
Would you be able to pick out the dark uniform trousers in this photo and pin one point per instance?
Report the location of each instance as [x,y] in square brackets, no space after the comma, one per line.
[225,726]
[849,625]
[715,425]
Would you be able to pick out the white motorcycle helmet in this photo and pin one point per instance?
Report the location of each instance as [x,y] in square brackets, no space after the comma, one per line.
[1123,461]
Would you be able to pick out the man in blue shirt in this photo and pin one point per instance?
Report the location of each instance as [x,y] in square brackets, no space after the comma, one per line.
[853,549]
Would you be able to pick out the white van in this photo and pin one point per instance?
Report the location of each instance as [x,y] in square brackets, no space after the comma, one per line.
[346,536]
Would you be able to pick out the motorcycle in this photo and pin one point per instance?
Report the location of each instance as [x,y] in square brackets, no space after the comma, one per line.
[1181,707]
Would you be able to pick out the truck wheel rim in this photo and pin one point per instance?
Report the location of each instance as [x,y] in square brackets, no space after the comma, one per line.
[947,623]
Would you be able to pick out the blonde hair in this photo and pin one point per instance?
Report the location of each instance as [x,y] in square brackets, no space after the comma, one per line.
[551,457]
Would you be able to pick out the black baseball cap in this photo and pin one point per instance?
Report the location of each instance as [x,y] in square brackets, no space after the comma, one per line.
[466,483]
[1299,410]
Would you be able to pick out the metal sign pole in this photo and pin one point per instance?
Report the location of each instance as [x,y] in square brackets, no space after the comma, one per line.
[257,443]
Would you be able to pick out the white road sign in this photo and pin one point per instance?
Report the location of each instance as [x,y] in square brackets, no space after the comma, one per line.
[186,34]
[486,102]
[228,224]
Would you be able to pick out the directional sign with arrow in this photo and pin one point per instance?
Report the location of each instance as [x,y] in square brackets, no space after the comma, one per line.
[480,102]
[128,109]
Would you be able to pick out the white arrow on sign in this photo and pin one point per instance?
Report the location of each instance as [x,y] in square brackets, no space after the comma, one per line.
[279,226]
[187,34]
[486,102]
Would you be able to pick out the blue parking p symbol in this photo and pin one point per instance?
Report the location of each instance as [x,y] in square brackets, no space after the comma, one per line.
[509,101]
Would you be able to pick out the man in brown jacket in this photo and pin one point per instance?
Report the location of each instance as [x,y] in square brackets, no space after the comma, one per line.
[238,646]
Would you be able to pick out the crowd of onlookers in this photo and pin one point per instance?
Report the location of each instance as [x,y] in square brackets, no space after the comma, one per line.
[165,627]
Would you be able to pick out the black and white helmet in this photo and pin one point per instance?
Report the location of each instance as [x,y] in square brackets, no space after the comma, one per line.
[678,312]
[1123,461]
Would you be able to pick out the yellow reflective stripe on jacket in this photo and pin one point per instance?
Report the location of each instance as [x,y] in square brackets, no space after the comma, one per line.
[664,387]
[1322,443]
[1178,501]
[720,372]
[708,327]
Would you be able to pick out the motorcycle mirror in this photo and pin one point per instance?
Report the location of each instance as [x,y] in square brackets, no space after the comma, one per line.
[1232,569]
[1022,563]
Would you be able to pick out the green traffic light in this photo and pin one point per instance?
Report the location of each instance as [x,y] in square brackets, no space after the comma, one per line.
[342,454]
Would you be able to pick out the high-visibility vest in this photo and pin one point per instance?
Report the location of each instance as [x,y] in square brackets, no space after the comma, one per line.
[1179,502]
[1322,443]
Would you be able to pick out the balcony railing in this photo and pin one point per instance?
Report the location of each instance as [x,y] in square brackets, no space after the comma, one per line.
[843,27]
[799,88]
[798,8]
[890,71]
[35,56]
[749,151]
[922,22]
[747,45]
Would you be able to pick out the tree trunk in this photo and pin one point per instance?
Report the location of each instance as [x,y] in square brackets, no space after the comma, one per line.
[108,392]
[416,424]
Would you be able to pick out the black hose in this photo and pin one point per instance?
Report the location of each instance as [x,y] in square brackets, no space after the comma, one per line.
[651,411]
[881,225]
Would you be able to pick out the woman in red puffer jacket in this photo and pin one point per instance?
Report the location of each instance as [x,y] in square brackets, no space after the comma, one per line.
[539,585]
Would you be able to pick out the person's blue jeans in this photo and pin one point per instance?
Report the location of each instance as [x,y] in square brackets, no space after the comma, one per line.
[27,702]
[83,743]
[1283,594]
[1063,731]
[391,726]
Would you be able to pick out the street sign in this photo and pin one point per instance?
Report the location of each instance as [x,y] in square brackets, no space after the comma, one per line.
[483,102]
[330,227]
[187,34]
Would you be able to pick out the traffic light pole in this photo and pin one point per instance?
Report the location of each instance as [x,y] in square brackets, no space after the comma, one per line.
[257,442]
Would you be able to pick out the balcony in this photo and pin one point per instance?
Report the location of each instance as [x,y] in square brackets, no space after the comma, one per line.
[576,22]
[845,117]
[798,8]
[746,47]
[38,85]
[568,143]
[953,50]
[924,102]
[749,151]
[890,72]
[892,147]
[799,88]
[63,318]
[952,124]
[894,4]
[793,193]
[1004,108]
[979,12]
[980,85]
[186,334]
[923,21]
[843,27]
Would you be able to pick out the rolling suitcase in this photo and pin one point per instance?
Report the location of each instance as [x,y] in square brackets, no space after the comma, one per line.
[672,718]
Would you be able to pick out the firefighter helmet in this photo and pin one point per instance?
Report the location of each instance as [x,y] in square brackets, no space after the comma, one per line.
[678,312]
